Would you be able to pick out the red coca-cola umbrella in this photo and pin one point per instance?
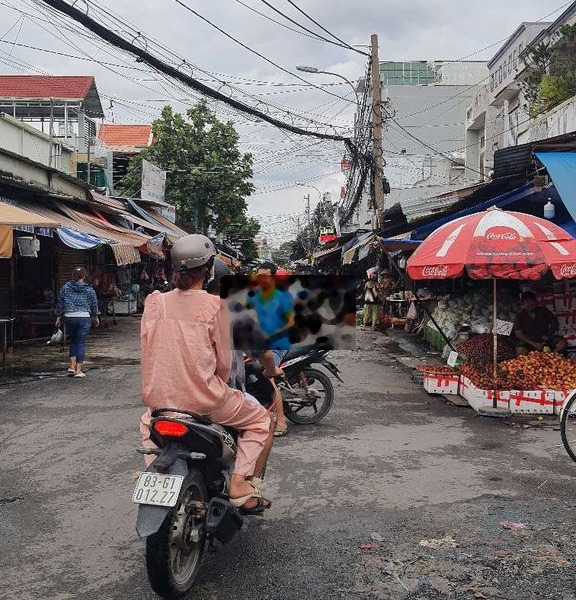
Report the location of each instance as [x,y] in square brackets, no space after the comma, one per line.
[495,244]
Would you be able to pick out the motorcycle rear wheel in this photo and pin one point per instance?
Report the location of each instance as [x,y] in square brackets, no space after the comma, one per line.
[301,412]
[172,565]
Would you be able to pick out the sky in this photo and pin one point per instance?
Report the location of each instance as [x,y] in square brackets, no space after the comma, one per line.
[287,166]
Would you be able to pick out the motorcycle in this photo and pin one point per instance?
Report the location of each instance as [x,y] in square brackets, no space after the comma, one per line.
[183,497]
[307,393]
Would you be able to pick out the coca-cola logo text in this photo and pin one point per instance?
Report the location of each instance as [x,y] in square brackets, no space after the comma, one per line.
[509,235]
[435,271]
[568,271]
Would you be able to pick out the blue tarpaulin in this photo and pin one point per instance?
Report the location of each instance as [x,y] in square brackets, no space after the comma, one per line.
[561,167]
[78,240]
[499,201]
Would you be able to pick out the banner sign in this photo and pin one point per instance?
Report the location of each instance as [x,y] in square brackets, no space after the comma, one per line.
[153,182]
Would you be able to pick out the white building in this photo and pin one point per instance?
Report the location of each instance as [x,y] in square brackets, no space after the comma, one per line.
[423,139]
[498,117]
[493,118]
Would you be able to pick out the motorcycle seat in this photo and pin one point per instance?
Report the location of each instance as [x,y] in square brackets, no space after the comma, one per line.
[320,344]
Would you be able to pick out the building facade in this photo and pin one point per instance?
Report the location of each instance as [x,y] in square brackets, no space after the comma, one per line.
[498,117]
[423,141]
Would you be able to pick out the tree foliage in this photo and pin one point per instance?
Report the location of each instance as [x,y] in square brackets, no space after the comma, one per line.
[208,178]
[242,234]
[551,75]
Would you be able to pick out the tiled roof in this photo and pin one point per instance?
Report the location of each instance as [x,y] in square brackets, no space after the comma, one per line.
[125,136]
[45,87]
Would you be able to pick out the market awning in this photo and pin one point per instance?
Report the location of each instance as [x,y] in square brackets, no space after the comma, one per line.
[561,167]
[361,242]
[6,241]
[128,243]
[324,253]
[157,221]
[78,240]
[83,235]
[399,244]
[499,201]
[12,216]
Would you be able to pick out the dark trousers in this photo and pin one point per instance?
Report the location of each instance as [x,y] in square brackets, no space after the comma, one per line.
[77,329]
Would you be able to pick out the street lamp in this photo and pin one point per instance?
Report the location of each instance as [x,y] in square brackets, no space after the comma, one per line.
[314,70]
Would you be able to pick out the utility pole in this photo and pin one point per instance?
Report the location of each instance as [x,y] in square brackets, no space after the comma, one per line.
[377,128]
[307,198]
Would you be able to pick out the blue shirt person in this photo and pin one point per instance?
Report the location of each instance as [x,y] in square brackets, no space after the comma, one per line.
[274,309]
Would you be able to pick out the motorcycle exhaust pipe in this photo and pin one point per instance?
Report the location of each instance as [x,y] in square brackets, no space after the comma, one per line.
[222,521]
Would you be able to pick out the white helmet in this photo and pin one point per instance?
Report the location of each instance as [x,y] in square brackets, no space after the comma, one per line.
[192,251]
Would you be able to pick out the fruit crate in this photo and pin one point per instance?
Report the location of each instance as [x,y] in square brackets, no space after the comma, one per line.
[440,380]
[518,401]
[559,396]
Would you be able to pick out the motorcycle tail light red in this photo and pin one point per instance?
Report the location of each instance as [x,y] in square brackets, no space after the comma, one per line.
[170,428]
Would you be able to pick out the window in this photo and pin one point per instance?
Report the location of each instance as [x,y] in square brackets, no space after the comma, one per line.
[514,59]
[500,74]
[492,81]
[520,48]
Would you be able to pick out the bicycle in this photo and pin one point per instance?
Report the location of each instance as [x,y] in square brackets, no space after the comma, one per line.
[568,425]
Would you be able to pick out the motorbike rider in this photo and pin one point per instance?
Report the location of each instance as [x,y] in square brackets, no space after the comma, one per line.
[186,355]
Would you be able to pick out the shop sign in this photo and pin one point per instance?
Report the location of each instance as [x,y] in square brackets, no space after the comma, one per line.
[327,234]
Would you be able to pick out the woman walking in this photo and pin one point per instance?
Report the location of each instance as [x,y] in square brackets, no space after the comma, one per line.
[78,307]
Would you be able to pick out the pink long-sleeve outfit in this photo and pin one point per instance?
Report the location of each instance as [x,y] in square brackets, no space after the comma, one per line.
[186,357]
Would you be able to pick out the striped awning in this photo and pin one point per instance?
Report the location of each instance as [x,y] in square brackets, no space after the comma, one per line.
[78,240]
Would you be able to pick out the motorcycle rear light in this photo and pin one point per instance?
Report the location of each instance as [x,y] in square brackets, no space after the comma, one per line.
[170,428]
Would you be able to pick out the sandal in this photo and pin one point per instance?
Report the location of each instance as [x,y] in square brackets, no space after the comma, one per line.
[257,484]
[257,510]
[280,431]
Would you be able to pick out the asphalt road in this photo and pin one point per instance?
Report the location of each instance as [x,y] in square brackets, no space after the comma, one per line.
[395,495]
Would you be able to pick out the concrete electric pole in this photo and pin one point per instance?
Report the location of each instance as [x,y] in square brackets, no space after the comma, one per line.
[377,129]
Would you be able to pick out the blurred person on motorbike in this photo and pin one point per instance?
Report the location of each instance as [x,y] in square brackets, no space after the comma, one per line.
[275,311]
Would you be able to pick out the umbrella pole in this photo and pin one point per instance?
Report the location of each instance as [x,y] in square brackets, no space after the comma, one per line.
[495,344]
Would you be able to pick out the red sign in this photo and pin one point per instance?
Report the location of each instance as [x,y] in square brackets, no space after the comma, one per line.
[345,164]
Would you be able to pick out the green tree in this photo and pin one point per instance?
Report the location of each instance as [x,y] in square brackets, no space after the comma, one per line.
[283,255]
[551,75]
[208,177]
[242,234]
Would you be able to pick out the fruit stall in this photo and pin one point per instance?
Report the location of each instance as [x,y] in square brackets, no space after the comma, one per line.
[535,383]
[499,245]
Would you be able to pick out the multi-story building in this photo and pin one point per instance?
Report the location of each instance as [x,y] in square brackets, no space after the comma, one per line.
[425,109]
[118,144]
[497,111]
[65,109]
[499,115]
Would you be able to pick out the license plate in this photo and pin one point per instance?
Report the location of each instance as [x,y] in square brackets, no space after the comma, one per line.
[157,490]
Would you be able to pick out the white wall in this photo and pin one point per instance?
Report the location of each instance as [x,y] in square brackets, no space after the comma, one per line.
[27,141]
